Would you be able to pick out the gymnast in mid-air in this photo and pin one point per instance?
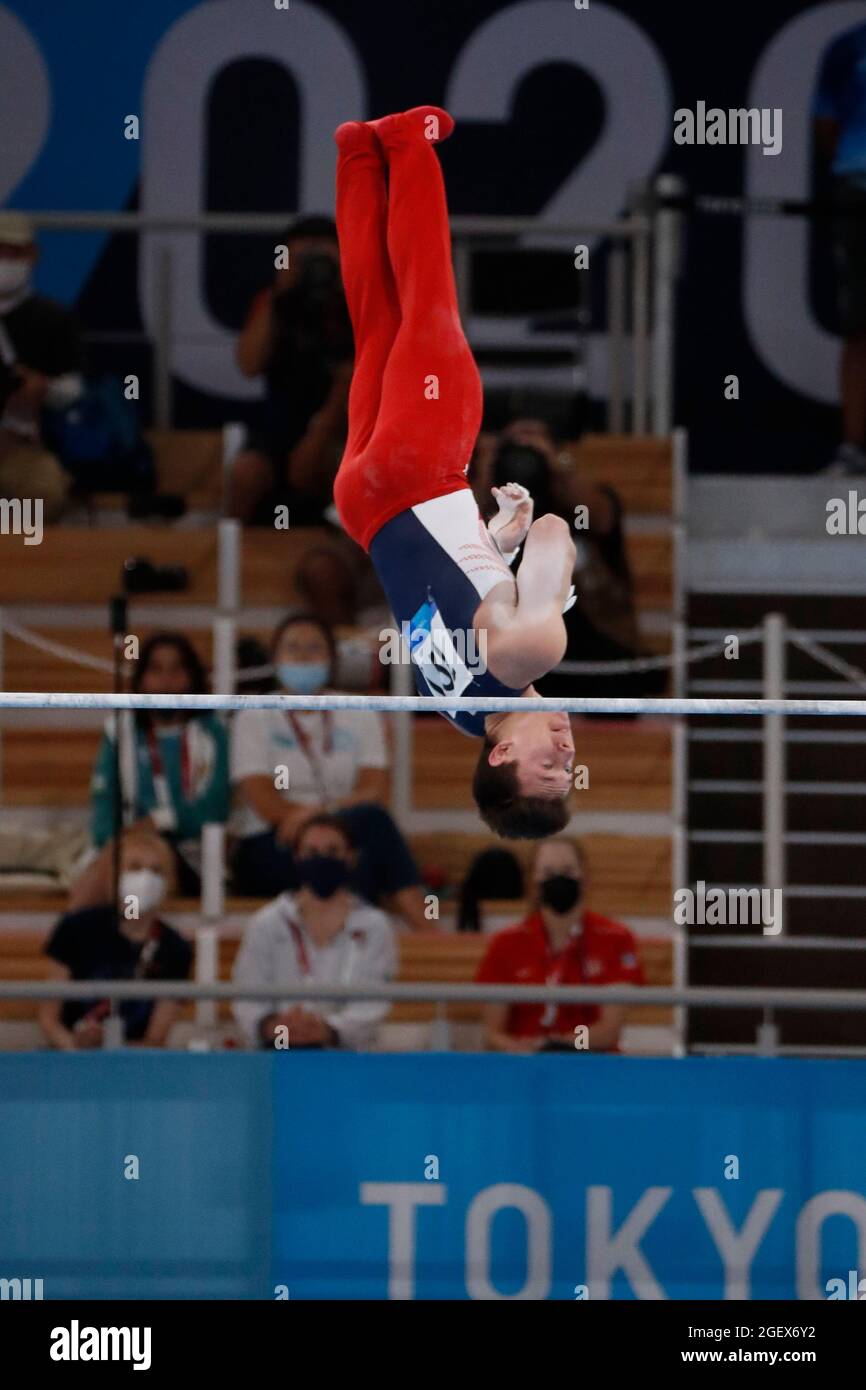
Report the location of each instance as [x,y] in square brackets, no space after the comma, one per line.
[415,410]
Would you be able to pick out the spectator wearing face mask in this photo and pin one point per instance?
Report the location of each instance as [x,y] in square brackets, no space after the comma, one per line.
[299,339]
[40,350]
[559,943]
[320,933]
[126,942]
[291,765]
[173,765]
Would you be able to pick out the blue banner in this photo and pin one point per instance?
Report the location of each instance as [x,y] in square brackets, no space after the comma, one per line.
[142,1175]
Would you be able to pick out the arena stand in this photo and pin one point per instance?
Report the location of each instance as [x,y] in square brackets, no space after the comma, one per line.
[624,817]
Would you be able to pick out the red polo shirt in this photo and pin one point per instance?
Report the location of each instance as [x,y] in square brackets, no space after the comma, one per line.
[602,953]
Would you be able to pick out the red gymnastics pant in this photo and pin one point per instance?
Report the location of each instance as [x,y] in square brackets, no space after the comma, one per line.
[415,402]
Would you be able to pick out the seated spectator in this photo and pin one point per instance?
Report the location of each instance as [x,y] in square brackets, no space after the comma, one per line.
[40,347]
[290,766]
[602,624]
[560,943]
[126,942]
[319,934]
[338,585]
[174,770]
[299,338]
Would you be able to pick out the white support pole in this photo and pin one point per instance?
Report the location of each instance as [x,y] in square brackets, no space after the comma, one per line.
[229,540]
[162,346]
[616,265]
[401,781]
[679,878]
[668,232]
[640,283]
[234,438]
[212,911]
[229,535]
[224,654]
[206,970]
[774,753]
[213,856]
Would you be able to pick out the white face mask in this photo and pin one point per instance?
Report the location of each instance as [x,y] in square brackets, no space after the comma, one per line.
[14,277]
[147,889]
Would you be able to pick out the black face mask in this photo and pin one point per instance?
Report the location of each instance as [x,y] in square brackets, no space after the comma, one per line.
[561,892]
[323,873]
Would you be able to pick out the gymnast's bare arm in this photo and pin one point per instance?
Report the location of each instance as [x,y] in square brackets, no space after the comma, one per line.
[527,638]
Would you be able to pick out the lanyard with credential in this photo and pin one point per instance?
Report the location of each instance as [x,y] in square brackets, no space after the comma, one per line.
[162,791]
[305,744]
[352,955]
[554,977]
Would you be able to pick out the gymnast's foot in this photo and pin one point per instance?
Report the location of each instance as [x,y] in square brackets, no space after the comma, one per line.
[428,123]
[356,135]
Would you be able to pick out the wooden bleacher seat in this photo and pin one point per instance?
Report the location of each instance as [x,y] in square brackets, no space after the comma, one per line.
[74,566]
[629,766]
[629,875]
[639,469]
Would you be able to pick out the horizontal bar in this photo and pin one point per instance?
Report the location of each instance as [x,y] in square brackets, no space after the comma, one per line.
[779,1050]
[638,996]
[814,687]
[428,704]
[279,221]
[754,735]
[736,785]
[820,634]
[803,943]
[793,837]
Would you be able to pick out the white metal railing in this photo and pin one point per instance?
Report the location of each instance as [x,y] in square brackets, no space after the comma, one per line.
[435,992]
[652,290]
[206,993]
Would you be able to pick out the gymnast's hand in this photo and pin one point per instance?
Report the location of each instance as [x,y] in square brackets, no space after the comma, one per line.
[512,522]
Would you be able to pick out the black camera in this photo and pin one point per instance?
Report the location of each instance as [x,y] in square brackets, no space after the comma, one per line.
[142,576]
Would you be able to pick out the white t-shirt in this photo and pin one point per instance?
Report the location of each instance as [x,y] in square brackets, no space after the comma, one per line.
[263,741]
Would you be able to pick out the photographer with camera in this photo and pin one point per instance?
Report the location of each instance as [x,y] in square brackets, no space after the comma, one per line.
[40,372]
[602,623]
[299,338]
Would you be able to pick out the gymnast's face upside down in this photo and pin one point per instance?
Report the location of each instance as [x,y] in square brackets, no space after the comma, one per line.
[525,774]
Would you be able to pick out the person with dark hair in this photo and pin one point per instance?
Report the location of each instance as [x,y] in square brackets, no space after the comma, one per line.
[41,363]
[174,769]
[291,765]
[298,337]
[561,942]
[320,933]
[402,492]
